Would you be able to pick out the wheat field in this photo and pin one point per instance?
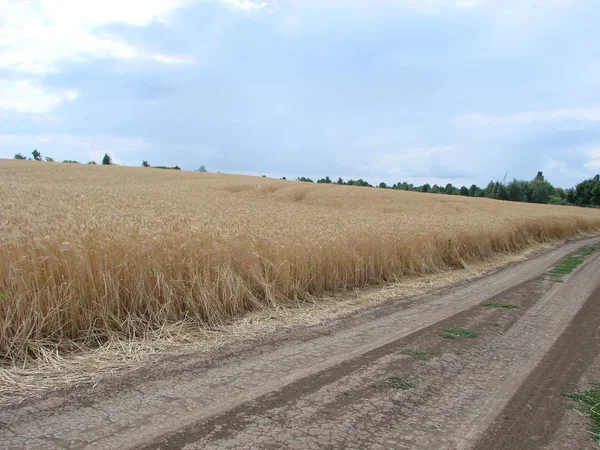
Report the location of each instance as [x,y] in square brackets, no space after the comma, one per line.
[92,252]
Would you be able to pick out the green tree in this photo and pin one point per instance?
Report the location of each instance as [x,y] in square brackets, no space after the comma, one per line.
[107,160]
[19,156]
[36,155]
[426,187]
[48,159]
[339,181]
[489,190]
[145,164]
[464,191]
[474,191]
[382,185]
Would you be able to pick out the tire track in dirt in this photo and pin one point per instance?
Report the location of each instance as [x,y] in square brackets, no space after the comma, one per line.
[530,419]
[187,392]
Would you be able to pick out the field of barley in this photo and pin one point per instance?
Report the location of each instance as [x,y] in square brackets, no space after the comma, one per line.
[88,252]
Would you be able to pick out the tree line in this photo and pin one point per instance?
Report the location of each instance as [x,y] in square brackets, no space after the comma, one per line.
[537,190]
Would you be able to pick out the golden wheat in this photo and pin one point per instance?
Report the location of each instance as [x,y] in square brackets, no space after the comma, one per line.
[91,251]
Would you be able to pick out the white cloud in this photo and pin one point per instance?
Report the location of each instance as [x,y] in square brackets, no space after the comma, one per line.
[36,36]
[248,4]
[433,163]
[172,59]
[25,96]
[560,172]
[594,162]
[478,119]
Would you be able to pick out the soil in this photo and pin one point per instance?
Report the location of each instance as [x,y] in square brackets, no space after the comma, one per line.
[340,384]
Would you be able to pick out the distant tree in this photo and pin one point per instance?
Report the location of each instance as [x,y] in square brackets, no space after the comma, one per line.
[202,169]
[449,189]
[541,190]
[107,160]
[283,178]
[70,161]
[92,163]
[426,187]
[539,177]
[464,191]
[145,164]
[382,185]
[19,156]
[264,176]
[167,168]
[489,190]
[586,193]
[36,155]
[435,189]
[325,180]
[474,191]
[340,181]
[304,179]
[48,159]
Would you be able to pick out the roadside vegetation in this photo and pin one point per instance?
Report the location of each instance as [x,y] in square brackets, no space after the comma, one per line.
[567,265]
[453,333]
[400,383]
[420,354]
[500,305]
[88,255]
[588,402]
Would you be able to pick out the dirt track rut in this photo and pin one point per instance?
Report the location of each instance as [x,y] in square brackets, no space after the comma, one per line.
[325,386]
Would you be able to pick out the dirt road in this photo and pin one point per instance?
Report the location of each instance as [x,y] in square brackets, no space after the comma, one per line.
[380,378]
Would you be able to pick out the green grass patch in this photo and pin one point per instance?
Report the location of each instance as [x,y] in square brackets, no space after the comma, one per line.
[420,354]
[459,332]
[587,251]
[500,305]
[400,383]
[568,265]
[588,402]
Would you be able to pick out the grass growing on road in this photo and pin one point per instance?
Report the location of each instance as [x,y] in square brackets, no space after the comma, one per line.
[400,383]
[589,402]
[500,305]
[420,354]
[568,265]
[453,333]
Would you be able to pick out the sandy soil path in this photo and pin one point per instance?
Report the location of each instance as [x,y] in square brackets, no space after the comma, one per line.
[328,386]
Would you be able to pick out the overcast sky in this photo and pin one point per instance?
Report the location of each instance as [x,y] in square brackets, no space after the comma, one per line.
[436,91]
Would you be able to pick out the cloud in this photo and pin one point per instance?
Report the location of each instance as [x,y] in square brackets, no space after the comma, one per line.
[247,5]
[173,59]
[478,119]
[432,163]
[593,163]
[561,172]
[37,36]
[29,97]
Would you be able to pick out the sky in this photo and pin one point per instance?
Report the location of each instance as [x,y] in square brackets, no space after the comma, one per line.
[423,91]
